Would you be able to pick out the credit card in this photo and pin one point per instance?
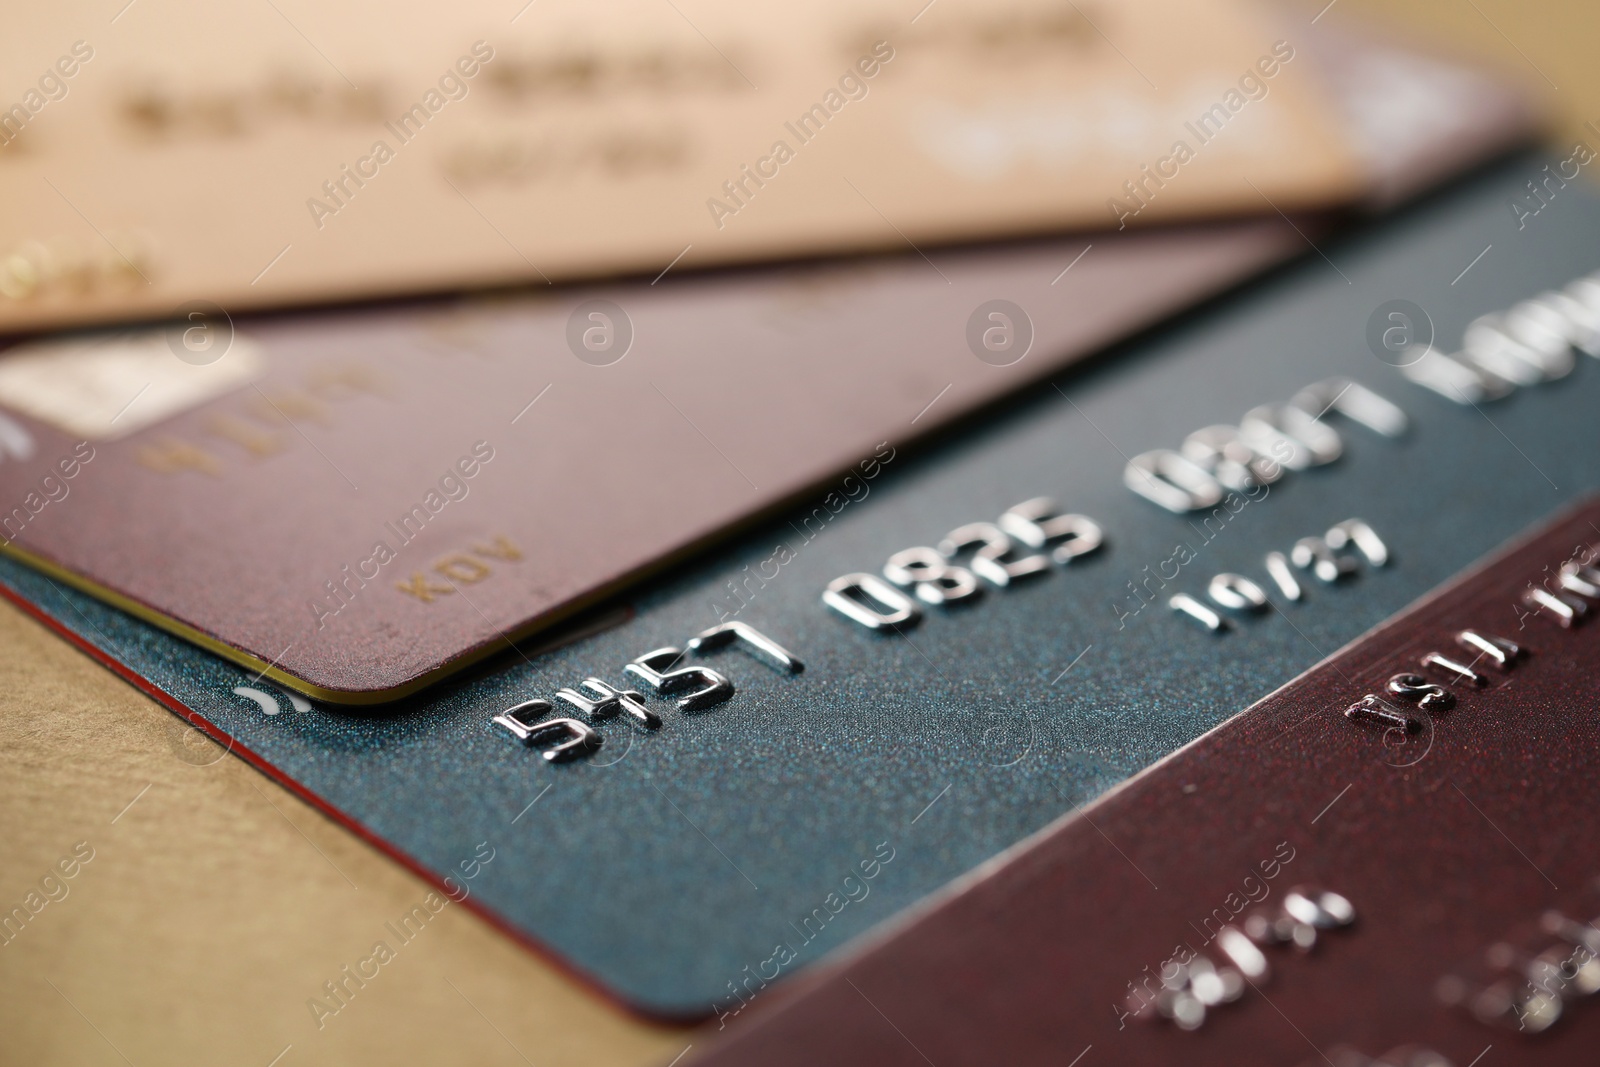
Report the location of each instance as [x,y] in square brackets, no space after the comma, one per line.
[1388,862]
[740,817]
[357,505]
[388,495]
[291,154]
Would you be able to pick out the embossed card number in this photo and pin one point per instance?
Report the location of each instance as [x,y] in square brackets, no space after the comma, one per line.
[992,551]
[1533,342]
[696,688]
[1254,453]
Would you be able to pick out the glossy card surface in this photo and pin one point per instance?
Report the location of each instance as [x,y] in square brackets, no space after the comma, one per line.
[669,863]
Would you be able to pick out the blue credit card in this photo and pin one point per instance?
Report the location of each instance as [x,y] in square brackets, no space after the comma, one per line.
[739,817]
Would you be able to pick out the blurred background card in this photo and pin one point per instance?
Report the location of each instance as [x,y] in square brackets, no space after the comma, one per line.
[282,153]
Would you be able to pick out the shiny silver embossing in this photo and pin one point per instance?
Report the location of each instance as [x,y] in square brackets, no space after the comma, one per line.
[993,561]
[1502,653]
[574,739]
[1315,554]
[1524,350]
[1530,343]
[1223,451]
[1321,908]
[1238,947]
[1305,911]
[1373,710]
[1456,380]
[933,578]
[844,594]
[1566,611]
[743,633]
[1188,605]
[1236,593]
[1363,536]
[1457,672]
[1355,402]
[1580,578]
[655,669]
[1278,569]
[599,700]
[1311,442]
[1037,524]
[1167,478]
[1429,696]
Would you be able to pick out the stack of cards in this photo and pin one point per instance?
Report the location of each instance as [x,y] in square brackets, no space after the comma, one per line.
[734,422]
[269,478]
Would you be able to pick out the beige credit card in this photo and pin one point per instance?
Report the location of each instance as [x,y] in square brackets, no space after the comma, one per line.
[154,154]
